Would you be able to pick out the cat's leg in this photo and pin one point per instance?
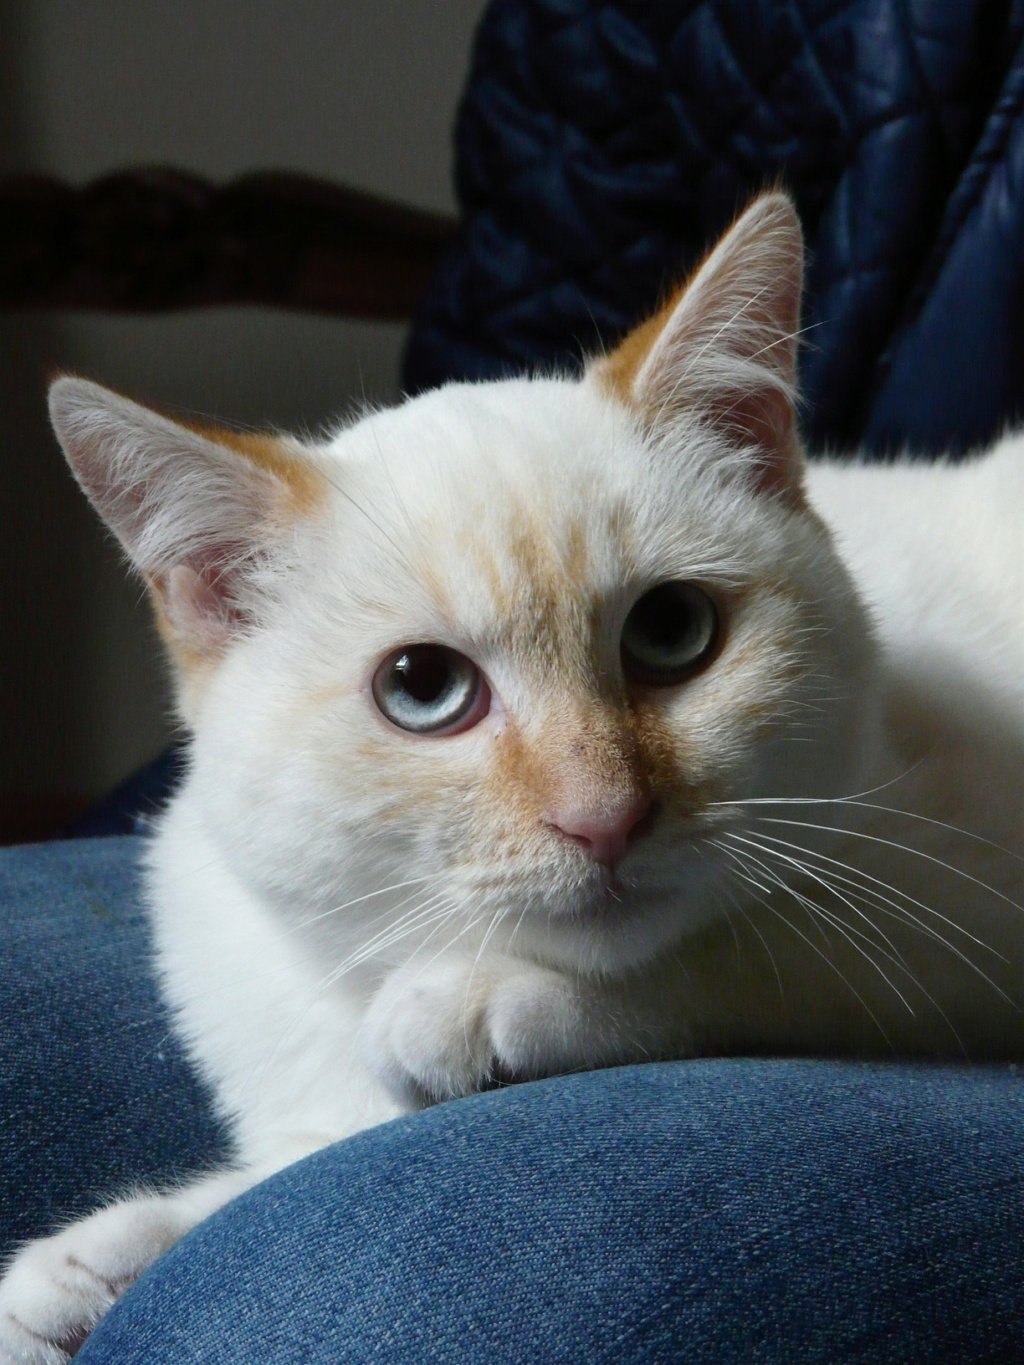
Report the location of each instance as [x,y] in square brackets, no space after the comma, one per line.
[56,1289]
[452,1026]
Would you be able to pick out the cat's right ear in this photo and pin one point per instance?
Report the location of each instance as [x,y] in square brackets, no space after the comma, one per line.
[723,348]
[198,511]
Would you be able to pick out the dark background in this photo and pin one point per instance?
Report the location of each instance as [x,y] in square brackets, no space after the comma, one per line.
[357,92]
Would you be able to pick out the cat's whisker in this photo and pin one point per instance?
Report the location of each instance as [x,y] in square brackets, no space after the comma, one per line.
[434,911]
[809,872]
[823,800]
[468,926]
[331,978]
[896,891]
[765,900]
[864,895]
[435,907]
[729,892]
[496,918]
[359,900]
[448,912]
[516,927]
[904,848]
[325,983]
[395,926]
[752,926]
[750,877]
[901,914]
[849,932]
[392,913]
[915,815]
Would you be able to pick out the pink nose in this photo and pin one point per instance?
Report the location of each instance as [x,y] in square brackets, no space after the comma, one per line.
[605,836]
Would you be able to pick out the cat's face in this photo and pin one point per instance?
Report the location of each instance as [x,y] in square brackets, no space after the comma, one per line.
[500,662]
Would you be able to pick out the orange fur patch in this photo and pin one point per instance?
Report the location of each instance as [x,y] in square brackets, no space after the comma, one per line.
[303,489]
[304,484]
[617,372]
[599,755]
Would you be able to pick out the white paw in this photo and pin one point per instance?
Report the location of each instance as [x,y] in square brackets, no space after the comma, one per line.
[55,1290]
[455,1026]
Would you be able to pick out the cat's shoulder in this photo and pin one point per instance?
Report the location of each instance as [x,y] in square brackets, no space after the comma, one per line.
[943,496]
[936,549]
[964,514]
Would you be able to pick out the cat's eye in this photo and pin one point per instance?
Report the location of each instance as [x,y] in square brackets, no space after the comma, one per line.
[431,690]
[668,634]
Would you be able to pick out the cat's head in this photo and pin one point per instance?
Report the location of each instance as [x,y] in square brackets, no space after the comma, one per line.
[502,660]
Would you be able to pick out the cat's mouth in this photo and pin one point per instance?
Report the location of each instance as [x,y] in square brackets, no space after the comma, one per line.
[616,920]
[608,894]
[640,889]
[613,889]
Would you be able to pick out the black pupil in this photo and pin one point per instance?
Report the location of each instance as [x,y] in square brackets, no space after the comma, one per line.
[425,674]
[664,619]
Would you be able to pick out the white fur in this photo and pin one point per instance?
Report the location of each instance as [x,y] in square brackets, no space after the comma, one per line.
[352,921]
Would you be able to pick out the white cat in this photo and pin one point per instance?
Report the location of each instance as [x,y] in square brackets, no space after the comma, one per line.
[549,724]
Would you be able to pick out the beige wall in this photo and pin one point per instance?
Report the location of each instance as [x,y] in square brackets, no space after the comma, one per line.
[360,91]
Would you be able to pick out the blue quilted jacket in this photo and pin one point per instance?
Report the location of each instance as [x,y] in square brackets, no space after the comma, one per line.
[601,146]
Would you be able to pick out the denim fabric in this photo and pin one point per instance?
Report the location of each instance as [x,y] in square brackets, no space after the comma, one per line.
[94,1090]
[723,1211]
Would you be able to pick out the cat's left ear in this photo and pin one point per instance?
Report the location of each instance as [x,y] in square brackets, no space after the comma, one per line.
[724,346]
[201,513]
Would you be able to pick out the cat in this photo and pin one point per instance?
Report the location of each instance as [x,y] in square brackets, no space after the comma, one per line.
[556,723]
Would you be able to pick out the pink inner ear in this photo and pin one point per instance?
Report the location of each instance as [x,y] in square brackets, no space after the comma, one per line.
[764,419]
[201,599]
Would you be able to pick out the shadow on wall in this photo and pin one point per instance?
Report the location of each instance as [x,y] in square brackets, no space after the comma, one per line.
[48,556]
[83,698]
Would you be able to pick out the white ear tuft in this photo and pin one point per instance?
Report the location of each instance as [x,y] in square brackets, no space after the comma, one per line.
[725,345]
[194,512]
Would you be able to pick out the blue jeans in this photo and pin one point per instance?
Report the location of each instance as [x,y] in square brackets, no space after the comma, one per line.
[727,1211]
[711,1211]
[94,1090]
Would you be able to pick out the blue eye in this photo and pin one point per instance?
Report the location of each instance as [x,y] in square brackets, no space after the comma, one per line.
[431,690]
[668,634]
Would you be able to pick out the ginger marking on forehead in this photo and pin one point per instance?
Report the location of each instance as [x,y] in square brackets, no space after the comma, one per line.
[535,576]
[549,602]
[577,553]
[483,556]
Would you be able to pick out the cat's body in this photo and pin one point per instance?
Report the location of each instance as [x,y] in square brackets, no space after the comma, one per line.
[686,780]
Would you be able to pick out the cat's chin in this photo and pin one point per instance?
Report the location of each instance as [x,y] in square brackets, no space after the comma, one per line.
[615,925]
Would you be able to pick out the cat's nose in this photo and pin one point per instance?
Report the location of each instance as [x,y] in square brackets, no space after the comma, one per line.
[606,835]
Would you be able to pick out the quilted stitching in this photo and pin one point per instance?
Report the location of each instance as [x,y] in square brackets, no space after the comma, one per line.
[601,145]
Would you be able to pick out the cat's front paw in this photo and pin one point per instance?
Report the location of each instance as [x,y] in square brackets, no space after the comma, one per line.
[56,1290]
[456,1025]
